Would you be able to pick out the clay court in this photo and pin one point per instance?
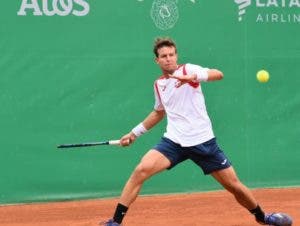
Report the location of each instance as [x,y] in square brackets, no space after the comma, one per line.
[197,209]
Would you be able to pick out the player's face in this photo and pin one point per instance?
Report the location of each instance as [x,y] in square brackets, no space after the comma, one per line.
[167,59]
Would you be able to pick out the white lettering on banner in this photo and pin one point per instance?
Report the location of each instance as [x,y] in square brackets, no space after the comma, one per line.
[46,10]
[259,4]
[66,9]
[272,3]
[294,3]
[278,18]
[33,5]
[59,7]
[84,5]
[273,12]
[277,3]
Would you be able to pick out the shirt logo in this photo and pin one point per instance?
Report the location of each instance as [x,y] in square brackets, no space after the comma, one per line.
[224,162]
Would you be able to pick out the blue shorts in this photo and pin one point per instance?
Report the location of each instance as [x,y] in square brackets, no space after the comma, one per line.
[207,155]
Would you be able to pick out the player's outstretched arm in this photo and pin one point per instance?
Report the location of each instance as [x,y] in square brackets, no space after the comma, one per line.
[210,75]
[151,120]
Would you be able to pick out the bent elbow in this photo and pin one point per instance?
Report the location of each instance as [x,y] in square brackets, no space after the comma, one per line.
[215,74]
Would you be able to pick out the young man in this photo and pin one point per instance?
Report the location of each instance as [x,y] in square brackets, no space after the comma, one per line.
[189,135]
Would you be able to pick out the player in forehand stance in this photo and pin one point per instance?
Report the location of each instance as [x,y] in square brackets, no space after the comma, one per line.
[189,135]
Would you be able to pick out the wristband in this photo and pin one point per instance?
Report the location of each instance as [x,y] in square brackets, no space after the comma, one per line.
[203,75]
[139,130]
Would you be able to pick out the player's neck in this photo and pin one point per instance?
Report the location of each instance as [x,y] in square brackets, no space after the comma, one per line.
[168,72]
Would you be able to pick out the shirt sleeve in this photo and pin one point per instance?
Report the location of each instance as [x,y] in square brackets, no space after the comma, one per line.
[158,106]
[201,72]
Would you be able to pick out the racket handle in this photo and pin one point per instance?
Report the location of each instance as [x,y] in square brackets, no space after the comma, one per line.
[114,142]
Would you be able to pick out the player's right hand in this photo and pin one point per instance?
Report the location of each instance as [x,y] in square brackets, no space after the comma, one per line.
[182,79]
[127,139]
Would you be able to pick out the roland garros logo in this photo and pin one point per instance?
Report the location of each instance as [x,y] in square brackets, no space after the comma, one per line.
[165,13]
[54,7]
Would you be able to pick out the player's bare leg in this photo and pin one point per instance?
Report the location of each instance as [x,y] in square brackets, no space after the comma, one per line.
[153,162]
[229,180]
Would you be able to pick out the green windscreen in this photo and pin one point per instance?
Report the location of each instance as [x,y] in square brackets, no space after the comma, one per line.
[75,71]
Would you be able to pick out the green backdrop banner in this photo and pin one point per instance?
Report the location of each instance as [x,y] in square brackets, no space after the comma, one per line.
[83,70]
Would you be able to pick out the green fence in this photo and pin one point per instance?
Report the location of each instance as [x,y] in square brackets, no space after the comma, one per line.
[83,70]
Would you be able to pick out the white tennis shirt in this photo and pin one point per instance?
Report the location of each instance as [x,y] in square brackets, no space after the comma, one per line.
[188,121]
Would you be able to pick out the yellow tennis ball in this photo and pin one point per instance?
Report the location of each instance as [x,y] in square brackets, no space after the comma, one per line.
[262,76]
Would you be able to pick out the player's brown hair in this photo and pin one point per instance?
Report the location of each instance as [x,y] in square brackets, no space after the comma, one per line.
[162,42]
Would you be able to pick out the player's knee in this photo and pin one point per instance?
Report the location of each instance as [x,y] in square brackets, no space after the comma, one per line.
[142,172]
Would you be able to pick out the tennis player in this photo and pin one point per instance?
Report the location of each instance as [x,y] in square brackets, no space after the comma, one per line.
[189,135]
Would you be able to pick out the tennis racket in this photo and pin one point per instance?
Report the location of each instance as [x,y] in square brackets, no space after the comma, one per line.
[79,145]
